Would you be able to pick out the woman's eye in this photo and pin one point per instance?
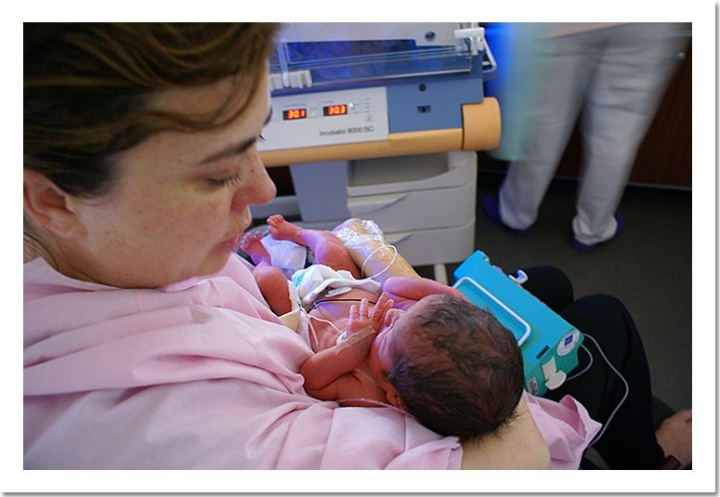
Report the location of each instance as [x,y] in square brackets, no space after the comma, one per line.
[227,181]
[230,180]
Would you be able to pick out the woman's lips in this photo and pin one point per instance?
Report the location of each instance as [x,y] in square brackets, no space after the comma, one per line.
[233,242]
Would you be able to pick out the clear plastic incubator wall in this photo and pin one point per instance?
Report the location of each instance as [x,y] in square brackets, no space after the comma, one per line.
[382,121]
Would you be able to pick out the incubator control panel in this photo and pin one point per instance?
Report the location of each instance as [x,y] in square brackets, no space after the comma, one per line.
[327,118]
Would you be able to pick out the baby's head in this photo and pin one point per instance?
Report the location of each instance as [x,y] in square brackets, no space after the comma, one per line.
[452,365]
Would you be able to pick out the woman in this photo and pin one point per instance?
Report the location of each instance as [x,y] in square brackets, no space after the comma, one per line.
[147,341]
[140,165]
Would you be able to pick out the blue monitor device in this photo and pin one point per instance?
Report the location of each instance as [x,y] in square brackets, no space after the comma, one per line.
[548,343]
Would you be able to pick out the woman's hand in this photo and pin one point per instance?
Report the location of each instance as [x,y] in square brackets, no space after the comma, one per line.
[518,446]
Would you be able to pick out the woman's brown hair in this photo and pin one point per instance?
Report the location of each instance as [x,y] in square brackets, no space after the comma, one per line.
[86,89]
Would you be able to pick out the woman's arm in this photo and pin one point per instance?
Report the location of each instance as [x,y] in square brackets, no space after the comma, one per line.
[518,446]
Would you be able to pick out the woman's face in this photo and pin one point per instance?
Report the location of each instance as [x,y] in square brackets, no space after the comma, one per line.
[181,201]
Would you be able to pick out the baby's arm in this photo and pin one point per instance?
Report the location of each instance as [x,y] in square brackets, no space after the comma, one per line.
[327,373]
[407,290]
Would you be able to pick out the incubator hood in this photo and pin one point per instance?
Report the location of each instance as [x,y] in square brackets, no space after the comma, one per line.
[321,55]
[343,91]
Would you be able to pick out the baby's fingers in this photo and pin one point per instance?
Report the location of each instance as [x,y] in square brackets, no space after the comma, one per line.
[384,304]
[364,311]
[356,320]
[354,313]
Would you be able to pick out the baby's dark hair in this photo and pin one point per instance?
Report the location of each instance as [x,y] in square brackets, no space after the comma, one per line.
[461,371]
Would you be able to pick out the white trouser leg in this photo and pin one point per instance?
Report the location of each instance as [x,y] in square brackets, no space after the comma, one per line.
[630,79]
[567,66]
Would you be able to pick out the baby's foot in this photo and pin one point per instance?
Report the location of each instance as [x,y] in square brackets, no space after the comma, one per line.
[675,437]
[280,229]
[252,245]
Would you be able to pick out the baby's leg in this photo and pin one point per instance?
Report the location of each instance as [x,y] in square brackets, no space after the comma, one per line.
[274,287]
[326,247]
[372,254]
[272,282]
[252,245]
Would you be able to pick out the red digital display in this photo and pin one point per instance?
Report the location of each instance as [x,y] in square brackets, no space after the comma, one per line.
[335,110]
[292,114]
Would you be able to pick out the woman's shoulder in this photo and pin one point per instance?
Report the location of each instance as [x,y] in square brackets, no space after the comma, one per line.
[41,279]
[55,302]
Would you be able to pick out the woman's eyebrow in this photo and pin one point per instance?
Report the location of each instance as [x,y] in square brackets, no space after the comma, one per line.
[234,149]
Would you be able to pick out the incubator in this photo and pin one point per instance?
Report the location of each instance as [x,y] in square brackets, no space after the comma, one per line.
[382,121]
[362,90]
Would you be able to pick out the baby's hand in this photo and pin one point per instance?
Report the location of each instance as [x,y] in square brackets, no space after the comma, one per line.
[367,317]
[365,322]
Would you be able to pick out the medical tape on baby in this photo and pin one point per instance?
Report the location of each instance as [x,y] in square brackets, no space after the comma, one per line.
[357,235]
[346,340]
[360,236]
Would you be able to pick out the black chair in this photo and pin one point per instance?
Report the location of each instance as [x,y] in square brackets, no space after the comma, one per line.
[661,411]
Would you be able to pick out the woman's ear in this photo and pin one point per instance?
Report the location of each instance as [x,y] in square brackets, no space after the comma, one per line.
[49,206]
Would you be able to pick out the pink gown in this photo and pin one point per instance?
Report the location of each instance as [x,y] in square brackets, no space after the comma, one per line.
[201,375]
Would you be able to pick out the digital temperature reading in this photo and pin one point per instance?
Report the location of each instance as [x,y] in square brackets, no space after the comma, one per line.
[292,114]
[335,110]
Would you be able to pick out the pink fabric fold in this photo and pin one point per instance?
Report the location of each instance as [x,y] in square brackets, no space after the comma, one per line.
[566,427]
[202,375]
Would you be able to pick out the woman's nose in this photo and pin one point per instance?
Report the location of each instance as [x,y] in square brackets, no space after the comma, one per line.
[266,189]
[257,190]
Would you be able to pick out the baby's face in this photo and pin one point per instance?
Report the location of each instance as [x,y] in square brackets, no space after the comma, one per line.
[390,341]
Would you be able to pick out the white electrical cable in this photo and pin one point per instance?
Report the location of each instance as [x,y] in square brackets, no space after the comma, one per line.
[627,390]
[586,367]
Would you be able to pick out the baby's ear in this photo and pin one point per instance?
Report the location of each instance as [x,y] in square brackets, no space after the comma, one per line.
[394,399]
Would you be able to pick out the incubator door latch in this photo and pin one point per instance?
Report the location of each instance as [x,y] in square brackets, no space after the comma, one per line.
[290,79]
[475,34]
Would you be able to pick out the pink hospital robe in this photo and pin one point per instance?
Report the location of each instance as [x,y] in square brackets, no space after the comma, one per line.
[201,375]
